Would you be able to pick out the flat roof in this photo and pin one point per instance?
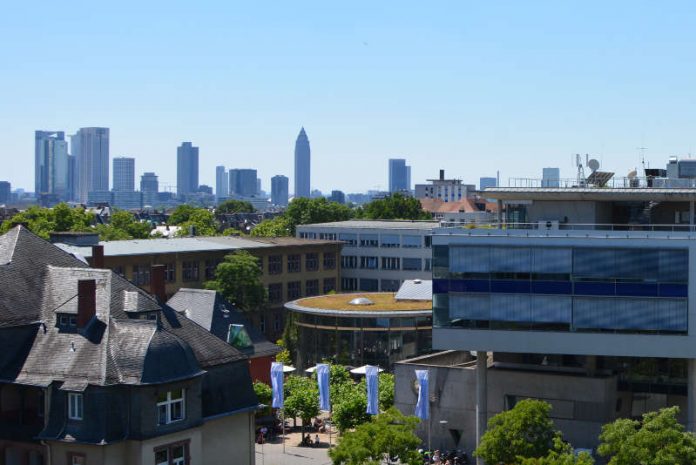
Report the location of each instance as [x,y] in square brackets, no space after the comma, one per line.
[375,224]
[590,193]
[188,244]
[384,305]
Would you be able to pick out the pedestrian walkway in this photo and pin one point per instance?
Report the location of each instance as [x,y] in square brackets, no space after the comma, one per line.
[271,453]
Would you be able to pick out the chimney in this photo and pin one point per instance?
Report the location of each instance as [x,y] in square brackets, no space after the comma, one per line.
[442,175]
[97,256]
[86,301]
[157,287]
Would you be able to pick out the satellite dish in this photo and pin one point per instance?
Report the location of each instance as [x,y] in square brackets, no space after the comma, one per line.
[593,165]
[632,174]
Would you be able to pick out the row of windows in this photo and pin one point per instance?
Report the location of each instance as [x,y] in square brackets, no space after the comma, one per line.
[350,262]
[294,262]
[373,240]
[294,289]
[370,285]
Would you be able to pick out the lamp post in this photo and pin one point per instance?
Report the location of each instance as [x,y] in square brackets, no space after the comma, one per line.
[443,423]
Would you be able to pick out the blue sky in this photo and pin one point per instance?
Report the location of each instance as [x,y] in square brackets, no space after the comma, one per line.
[472,87]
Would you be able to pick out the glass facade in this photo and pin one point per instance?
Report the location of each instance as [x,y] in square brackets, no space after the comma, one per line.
[359,341]
[631,290]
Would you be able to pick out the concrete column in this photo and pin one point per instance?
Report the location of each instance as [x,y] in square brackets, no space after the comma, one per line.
[481,397]
[691,395]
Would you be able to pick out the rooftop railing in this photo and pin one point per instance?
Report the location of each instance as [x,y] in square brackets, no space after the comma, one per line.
[550,226]
[614,183]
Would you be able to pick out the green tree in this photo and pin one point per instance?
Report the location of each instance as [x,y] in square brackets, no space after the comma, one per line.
[181,214]
[525,431]
[561,454]
[43,221]
[301,398]
[234,206]
[309,211]
[202,220]
[126,221]
[386,391]
[284,355]
[349,405]
[389,437]
[658,440]
[274,227]
[394,207]
[238,278]
[264,394]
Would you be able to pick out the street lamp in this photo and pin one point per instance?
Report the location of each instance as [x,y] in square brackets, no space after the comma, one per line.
[443,423]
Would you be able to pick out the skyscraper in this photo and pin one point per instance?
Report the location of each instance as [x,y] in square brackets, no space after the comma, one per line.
[149,186]
[222,184]
[5,192]
[242,182]
[399,175]
[90,146]
[186,169]
[124,174]
[302,165]
[279,190]
[50,164]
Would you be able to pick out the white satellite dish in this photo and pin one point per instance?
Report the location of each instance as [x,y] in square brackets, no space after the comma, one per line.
[593,165]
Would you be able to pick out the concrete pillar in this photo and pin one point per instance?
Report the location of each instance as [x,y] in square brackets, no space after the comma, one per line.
[691,395]
[481,397]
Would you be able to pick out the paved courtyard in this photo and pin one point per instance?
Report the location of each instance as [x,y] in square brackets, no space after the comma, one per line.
[271,453]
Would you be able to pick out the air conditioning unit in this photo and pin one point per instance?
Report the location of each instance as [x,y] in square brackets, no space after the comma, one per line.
[548,225]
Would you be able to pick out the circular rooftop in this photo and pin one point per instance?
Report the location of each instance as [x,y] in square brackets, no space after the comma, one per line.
[363,303]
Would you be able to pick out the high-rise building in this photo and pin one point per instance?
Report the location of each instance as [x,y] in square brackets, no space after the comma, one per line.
[551,177]
[242,182]
[124,174]
[149,186]
[279,190]
[90,146]
[72,178]
[50,164]
[186,169]
[338,197]
[5,192]
[487,182]
[222,184]
[302,165]
[399,174]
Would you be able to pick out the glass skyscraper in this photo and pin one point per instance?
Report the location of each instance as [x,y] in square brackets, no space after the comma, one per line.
[51,164]
[279,190]
[90,147]
[186,169]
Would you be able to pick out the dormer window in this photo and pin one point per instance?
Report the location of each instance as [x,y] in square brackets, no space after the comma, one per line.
[67,321]
[74,406]
[171,407]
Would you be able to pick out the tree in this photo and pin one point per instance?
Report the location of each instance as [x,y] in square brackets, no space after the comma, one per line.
[386,391]
[274,227]
[388,437]
[562,454]
[238,278]
[395,207]
[125,221]
[301,398]
[284,355]
[181,214]
[525,431]
[658,440]
[234,206]
[309,211]
[43,221]
[264,394]
[202,221]
[349,405]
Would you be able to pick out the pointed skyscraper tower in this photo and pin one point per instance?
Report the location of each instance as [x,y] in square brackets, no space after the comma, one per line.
[302,165]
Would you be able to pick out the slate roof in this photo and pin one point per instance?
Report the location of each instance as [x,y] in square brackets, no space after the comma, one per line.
[210,310]
[415,289]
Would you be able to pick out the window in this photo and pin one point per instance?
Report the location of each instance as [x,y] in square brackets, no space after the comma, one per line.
[275,264]
[169,272]
[368,263]
[428,264]
[350,239]
[294,263]
[210,267]
[349,262]
[170,407]
[173,454]
[391,263]
[369,285]
[329,285]
[312,287]
[349,284]
[75,458]
[275,293]
[190,271]
[66,321]
[294,290]
[141,275]
[312,261]
[369,240]
[390,240]
[327,236]
[119,271]
[411,242]
[412,264]
[308,235]
[74,406]
[277,322]
[428,241]
[329,260]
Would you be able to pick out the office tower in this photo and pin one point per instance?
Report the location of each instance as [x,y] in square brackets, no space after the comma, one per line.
[222,184]
[258,186]
[279,190]
[186,169]
[242,182]
[5,192]
[302,165]
[487,182]
[72,178]
[50,164]
[338,197]
[399,174]
[90,146]
[550,177]
[149,186]
[124,174]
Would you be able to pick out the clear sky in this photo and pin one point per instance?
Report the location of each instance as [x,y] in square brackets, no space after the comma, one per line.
[472,87]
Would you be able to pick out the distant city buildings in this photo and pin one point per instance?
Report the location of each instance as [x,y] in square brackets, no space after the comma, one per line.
[550,177]
[149,187]
[447,190]
[5,192]
[399,175]
[50,166]
[222,185]
[124,174]
[338,197]
[186,169]
[487,182]
[243,182]
[90,147]
[302,165]
[279,190]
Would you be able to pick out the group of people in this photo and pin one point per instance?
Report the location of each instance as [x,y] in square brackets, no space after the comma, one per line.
[447,458]
[307,440]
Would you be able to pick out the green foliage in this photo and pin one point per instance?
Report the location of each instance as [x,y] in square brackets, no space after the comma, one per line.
[181,214]
[232,232]
[301,398]
[43,221]
[658,440]
[386,391]
[526,431]
[319,210]
[394,207]
[349,405]
[238,278]
[290,335]
[274,227]
[561,454]
[202,220]
[387,437]
[284,355]
[125,221]
[234,206]
[263,392]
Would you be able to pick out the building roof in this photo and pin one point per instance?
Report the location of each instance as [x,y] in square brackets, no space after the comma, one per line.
[590,193]
[375,224]
[415,289]
[384,305]
[440,206]
[210,310]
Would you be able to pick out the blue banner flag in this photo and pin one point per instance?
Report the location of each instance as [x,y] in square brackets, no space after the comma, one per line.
[372,378]
[323,382]
[277,384]
[422,405]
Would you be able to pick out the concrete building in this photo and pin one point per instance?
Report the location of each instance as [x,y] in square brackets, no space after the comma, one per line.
[90,147]
[149,187]
[186,169]
[378,255]
[302,165]
[279,190]
[242,182]
[5,192]
[222,184]
[446,190]
[399,175]
[124,174]
[50,166]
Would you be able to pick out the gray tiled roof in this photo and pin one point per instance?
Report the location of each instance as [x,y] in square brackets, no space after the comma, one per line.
[415,289]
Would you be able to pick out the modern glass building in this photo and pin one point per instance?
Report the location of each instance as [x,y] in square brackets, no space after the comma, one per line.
[302,165]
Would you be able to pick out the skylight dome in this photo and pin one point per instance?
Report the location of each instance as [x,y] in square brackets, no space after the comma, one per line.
[361,301]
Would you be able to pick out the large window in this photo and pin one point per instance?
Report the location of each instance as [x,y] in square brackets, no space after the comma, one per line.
[369,240]
[412,264]
[294,263]
[169,272]
[210,267]
[349,262]
[75,408]
[411,242]
[329,285]
[173,454]
[171,406]
[275,264]
[391,263]
[329,260]
[312,261]
[349,284]
[312,287]
[294,290]
[369,263]
[190,271]
[369,285]
[390,240]
[350,239]
[275,293]
[141,275]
